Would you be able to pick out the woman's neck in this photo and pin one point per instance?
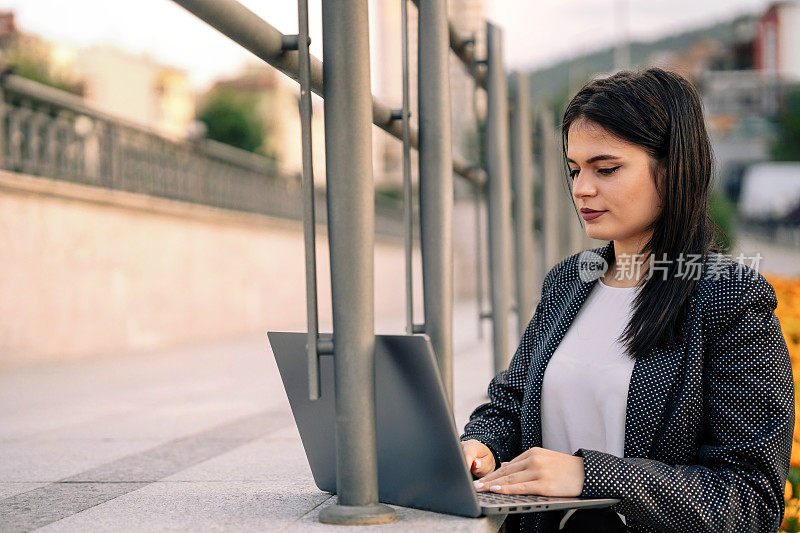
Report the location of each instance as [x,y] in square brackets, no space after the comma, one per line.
[629,266]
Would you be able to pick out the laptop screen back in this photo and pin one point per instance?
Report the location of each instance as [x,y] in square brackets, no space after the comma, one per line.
[420,462]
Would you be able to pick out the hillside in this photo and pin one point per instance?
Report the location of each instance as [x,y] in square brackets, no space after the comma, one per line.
[550,84]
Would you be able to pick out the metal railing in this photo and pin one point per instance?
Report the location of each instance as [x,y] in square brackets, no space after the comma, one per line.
[50,133]
[350,109]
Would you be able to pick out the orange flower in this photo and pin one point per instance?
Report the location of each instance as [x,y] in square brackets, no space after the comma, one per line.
[787,291]
[795,460]
[789,513]
[787,492]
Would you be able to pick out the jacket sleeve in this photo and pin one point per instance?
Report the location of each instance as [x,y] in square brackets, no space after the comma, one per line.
[744,453]
[497,422]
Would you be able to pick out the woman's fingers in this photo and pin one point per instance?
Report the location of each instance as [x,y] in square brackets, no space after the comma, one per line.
[469,455]
[480,468]
[527,453]
[482,465]
[478,456]
[525,487]
[509,478]
[500,475]
[469,452]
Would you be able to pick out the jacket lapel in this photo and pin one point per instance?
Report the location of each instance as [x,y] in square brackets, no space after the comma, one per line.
[652,379]
[652,382]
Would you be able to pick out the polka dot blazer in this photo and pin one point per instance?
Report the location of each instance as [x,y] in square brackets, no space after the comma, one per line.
[708,427]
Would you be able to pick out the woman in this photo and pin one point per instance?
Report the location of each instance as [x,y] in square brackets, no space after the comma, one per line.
[663,379]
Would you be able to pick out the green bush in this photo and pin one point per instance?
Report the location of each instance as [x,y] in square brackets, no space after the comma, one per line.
[233,118]
[786,142]
[723,213]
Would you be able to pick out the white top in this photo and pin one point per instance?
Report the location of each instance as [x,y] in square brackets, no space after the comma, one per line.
[585,384]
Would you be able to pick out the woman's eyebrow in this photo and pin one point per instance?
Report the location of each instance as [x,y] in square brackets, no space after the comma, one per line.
[601,157]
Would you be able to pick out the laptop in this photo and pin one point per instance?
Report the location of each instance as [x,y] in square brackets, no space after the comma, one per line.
[420,460]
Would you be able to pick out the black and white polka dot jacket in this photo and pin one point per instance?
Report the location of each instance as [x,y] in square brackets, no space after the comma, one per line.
[708,427]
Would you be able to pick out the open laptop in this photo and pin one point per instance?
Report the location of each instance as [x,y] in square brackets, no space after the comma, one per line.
[420,460]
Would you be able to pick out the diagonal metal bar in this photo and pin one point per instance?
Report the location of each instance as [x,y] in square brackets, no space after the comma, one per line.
[464,49]
[238,23]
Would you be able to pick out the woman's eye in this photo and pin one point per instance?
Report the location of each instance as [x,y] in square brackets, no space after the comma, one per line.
[607,171]
[573,173]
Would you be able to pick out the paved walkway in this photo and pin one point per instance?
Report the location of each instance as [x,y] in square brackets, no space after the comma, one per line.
[194,438]
[779,259]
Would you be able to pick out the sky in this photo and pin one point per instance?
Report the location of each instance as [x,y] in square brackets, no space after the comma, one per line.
[536,33]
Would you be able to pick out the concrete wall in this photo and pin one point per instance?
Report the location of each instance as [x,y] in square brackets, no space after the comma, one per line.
[90,271]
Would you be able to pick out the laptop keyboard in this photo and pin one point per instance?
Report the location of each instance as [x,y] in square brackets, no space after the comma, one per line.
[502,499]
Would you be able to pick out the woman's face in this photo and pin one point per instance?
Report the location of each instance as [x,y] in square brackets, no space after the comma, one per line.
[614,176]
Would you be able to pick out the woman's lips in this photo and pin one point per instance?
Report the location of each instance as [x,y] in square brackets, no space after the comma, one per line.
[591,215]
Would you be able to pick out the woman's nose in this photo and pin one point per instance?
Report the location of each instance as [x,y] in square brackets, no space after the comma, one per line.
[582,185]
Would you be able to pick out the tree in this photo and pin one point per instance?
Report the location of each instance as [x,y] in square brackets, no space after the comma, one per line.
[30,58]
[232,117]
[786,142]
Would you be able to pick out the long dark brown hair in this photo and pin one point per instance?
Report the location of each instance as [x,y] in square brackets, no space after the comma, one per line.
[661,112]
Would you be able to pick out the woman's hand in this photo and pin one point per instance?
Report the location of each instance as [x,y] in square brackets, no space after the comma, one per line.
[537,471]
[479,457]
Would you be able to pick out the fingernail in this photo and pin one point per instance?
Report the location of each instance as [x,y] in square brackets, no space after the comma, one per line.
[477,463]
[477,484]
[494,487]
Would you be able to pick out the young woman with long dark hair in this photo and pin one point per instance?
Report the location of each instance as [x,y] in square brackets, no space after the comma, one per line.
[663,379]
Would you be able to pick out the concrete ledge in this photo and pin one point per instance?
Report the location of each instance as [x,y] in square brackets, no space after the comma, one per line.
[26,184]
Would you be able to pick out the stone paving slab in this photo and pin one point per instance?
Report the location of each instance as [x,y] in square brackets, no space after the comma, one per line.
[192,438]
[196,506]
[280,461]
[12,488]
[49,461]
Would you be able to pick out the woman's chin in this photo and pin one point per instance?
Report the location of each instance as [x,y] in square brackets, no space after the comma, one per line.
[597,233]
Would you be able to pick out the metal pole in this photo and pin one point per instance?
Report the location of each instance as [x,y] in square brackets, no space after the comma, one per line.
[351,229]
[436,184]
[522,178]
[499,194]
[551,206]
[576,231]
[408,206]
[309,219]
[622,49]
[478,260]
[478,219]
[2,128]
[464,50]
